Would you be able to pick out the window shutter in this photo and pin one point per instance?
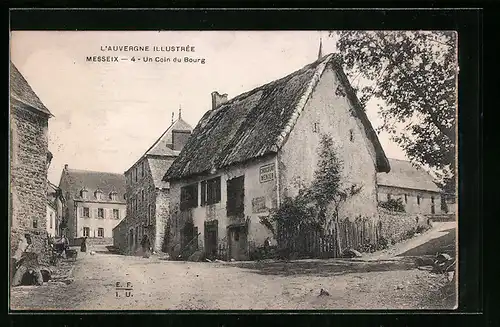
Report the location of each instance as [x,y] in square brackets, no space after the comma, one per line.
[80,211]
[203,193]
[94,213]
[217,190]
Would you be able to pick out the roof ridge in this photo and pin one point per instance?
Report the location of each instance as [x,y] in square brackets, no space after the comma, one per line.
[155,142]
[92,171]
[263,86]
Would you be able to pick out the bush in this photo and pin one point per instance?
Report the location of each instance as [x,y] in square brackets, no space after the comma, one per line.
[262,253]
[393,205]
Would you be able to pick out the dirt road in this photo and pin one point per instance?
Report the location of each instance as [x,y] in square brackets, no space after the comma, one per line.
[169,285]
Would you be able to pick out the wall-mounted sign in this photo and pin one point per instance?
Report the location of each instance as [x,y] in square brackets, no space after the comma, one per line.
[266,173]
[259,204]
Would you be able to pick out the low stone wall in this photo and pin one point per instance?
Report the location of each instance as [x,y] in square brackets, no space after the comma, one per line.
[93,241]
[395,225]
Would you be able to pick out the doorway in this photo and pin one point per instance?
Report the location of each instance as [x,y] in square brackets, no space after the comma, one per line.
[211,235]
[238,242]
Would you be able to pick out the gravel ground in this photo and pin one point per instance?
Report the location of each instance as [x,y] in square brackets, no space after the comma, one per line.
[169,285]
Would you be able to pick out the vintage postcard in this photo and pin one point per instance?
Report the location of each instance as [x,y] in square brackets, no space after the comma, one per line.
[224,170]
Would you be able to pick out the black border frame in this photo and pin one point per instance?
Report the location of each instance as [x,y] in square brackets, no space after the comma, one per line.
[468,23]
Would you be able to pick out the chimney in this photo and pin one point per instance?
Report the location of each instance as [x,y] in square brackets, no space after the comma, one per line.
[179,139]
[218,100]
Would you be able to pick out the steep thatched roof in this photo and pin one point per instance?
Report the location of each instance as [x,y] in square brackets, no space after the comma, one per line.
[258,123]
[21,91]
[405,175]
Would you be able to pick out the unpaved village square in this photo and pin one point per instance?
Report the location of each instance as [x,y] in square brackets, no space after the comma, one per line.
[381,281]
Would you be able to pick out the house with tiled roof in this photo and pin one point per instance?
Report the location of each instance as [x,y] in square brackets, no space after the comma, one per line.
[29,157]
[147,194]
[246,154]
[95,204]
[413,185]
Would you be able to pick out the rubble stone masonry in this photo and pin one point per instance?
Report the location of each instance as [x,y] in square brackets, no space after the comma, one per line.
[28,159]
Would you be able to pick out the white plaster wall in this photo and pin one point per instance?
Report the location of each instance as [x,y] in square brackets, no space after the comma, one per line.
[51,211]
[108,222]
[299,155]
[257,233]
[411,205]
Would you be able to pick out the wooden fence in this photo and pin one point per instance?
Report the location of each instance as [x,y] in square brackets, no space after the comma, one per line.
[355,234]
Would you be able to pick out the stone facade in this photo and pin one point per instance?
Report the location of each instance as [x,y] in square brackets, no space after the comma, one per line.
[28,173]
[396,224]
[148,196]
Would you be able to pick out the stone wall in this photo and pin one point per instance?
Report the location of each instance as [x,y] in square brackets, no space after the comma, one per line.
[120,236]
[138,209]
[161,216]
[396,224]
[29,146]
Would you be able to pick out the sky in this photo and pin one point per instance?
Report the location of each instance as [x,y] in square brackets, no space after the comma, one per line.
[107,114]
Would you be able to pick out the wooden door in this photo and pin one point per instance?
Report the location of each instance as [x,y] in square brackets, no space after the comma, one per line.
[211,235]
[238,243]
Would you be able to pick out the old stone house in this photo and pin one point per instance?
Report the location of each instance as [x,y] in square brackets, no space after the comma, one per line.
[95,204]
[29,157]
[413,185]
[147,195]
[55,204]
[247,153]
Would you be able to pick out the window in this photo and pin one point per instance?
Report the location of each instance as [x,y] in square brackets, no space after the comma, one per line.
[51,219]
[351,135]
[135,173]
[149,215]
[100,232]
[189,196]
[113,196]
[35,223]
[418,199]
[389,196]
[83,193]
[86,231]
[98,195]
[406,198]
[235,196]
[316,128]
[86,212]
[432,199]
[142,169]
[100,213]
[116,213]
[142,195]
[210,191]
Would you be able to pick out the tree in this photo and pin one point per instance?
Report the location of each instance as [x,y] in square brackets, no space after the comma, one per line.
[414,74]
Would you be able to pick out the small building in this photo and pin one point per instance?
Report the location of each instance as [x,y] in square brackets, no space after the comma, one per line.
[29,158]
[147,195]
[55,204]
[247,153]
[95,204]
[413,185]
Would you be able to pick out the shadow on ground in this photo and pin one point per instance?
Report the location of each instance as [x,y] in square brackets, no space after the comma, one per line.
[442,244]
[325,268]
[110,249]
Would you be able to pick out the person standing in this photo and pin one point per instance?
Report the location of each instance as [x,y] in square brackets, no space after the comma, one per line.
[146,245]
[83,246]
